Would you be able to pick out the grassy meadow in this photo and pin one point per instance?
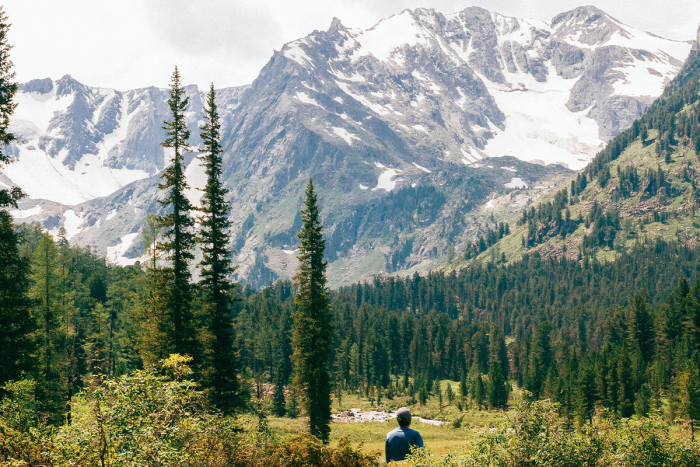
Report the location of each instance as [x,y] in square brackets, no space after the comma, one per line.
[449,437]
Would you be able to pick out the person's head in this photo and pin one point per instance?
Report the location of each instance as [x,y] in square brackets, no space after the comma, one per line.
[403,415]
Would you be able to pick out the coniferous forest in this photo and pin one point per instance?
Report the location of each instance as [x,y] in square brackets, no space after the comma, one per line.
[170,362]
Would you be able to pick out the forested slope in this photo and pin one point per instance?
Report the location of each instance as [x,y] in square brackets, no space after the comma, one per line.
[643,185]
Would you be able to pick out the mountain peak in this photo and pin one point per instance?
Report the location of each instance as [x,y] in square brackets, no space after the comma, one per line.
[336,24]
[42,86]
[582,15]
[66,85]
[589,26]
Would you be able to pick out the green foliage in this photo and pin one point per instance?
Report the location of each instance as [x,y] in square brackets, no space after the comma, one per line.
[497,391]
[46,291]
[23,439]
[279,402]
[313,332]
[536,436]
[221,367]
[144,419]
[179,237]
[17,320]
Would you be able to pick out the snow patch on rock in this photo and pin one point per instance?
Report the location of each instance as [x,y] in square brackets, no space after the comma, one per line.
[516,183]
[116,253]
[24,213]
[345,134]
[422,168]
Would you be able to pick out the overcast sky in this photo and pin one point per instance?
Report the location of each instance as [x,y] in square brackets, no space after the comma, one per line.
[128,44]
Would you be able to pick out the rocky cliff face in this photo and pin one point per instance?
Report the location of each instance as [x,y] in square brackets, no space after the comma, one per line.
[414,105]
[81,142]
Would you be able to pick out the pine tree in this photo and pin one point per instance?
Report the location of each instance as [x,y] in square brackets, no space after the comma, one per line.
[463,388]
[313,333]
[477,391]
[8,196]
[643,401]
[153,316]
[450,393]
[46,277]
[18,324]
[179,236]
[625,394]
[97,342]
[497,394]
[217,288]
[279,401]
[585,393]
[689,394]
[552,385]
[641,327]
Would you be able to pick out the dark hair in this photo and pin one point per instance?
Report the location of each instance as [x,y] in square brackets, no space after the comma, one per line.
[404,422]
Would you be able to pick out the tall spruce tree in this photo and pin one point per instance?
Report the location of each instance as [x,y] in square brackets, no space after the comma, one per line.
[313,333]
[17,342]
[16,321]
[51,390]
[279,401]
[222,356]
[178,226]
[497,392]
[8,196]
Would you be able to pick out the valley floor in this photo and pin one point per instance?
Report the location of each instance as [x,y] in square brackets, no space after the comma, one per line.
[438,439]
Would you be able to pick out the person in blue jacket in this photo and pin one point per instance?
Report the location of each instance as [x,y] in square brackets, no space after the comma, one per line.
[399,441]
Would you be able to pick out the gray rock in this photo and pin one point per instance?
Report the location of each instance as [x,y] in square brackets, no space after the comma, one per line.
[591,25]
[42,86]
[325,107]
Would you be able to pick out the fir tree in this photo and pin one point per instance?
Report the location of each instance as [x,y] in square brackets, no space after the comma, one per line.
[279,401]
[585,394]
[497,394]
[222,358]
[8,196]
[641,328]
[46,278]
[689,394]
[97,342]
[463,388]
[643,401]
[313,333]
[153,315]
[450,393]
[179,236]
[625,393]
[18,324]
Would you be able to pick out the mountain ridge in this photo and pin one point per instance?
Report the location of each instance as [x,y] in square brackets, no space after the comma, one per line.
[365,116]
[642,187]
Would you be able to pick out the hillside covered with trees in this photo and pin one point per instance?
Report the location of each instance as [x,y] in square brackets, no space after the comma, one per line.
[580,321]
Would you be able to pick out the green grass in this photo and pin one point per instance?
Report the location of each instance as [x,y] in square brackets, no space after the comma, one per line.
[440,439]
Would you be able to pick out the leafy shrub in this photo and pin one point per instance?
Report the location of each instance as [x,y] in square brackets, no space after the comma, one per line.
[304,450]
[536,436]
[22,440]
[148,420]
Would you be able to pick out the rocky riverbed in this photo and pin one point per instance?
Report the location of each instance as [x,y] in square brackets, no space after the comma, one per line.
[359,415]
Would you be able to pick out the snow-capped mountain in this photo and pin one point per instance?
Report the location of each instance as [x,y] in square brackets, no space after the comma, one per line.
[82,143]
[476,83]
[419,100]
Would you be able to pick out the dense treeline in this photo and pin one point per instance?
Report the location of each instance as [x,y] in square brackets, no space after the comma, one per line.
[601,333]
[551,325]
